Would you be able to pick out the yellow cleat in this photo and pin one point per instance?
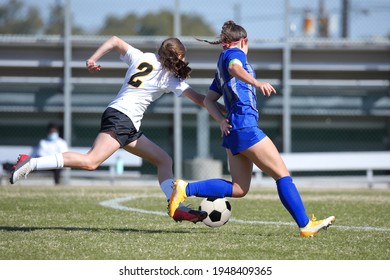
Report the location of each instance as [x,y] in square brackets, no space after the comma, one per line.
[314,226]
[178,195]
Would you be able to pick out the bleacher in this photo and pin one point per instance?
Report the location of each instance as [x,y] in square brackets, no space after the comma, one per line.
[368,162]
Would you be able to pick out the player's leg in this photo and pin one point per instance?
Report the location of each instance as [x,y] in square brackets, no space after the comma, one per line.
[241,171]
[266,156]
[216,188]
[105,145]
[148,150]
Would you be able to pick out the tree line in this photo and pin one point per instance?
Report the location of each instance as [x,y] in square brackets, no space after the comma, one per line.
[17,18]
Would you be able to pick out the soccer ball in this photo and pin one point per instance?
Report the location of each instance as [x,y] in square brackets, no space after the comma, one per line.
[219,211]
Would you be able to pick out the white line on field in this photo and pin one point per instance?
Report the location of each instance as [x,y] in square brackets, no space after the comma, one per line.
[116,204]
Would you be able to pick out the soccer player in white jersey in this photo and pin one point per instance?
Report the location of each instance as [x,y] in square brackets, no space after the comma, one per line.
[148,77]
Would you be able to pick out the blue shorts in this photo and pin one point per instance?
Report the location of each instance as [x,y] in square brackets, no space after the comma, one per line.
[242,139]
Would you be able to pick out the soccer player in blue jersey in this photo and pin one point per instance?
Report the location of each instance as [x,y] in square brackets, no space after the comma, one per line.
[246,144]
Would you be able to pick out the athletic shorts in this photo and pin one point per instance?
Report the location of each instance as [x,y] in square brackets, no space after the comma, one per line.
[241,139]
[121,125]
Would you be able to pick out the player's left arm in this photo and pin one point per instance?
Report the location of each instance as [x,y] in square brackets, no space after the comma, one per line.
[194,96]
[199,98]
[237,71]
[211,103]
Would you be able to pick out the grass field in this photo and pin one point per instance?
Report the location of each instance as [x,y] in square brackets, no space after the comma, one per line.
[130,223]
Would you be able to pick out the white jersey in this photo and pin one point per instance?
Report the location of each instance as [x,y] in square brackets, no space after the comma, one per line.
[145,82]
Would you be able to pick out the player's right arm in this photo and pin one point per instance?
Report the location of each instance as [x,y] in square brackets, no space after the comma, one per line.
[114,43]
[237,71]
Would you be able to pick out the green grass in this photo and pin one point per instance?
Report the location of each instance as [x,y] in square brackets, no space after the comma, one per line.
[68,223]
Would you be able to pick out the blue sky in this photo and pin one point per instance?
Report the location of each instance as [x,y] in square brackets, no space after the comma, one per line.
[261,18]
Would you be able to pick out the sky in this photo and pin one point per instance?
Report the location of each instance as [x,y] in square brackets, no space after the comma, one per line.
[261,18]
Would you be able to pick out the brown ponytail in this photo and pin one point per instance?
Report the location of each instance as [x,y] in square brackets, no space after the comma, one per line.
[230,32]
[170,52]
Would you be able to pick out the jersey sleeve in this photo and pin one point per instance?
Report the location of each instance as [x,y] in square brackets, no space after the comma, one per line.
[215,87]
[236,56]
[177,86]
[130,55]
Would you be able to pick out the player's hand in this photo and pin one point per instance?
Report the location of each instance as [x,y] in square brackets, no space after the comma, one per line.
[92,66]
[225,127]
[265,88]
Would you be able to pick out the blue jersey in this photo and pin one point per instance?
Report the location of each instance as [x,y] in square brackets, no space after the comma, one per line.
[239,97]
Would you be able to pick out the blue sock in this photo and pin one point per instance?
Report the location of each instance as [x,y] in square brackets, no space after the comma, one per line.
[291,200]
[210,188]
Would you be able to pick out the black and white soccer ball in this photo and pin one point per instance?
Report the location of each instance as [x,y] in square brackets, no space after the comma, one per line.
[218,211]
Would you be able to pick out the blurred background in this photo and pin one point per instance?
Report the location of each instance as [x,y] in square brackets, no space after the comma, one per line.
[328,59]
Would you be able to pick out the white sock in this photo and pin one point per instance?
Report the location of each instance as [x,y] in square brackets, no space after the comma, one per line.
[48,162]
[166,187]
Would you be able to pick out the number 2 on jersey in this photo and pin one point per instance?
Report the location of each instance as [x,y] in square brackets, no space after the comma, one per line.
[145,69]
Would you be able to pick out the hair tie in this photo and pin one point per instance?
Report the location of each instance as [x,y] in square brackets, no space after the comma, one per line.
[232,43]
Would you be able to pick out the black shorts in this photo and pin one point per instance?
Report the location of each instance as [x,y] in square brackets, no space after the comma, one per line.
[121,125]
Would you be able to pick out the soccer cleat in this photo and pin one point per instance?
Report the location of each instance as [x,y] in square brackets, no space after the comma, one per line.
[314,226]
[183,213]
[178,196]
[20,169]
